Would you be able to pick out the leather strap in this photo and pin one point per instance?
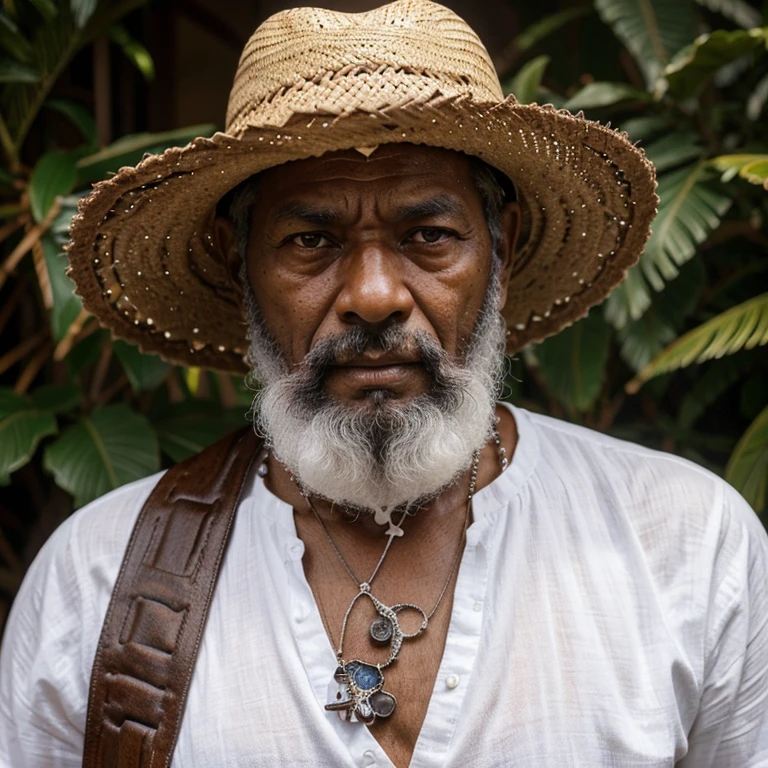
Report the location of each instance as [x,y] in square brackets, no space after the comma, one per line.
[155,619]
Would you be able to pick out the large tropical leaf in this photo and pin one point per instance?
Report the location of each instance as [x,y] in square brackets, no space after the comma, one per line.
[184,429]
[544,27]
[53,176]
[572,364]
[525,84]
[747,469]
[753,168]
[22,427]
[12,71]
[641,340]
[706,389]
[738,11]
[143,371]
[66,305]
[652,30]
[111,447]
[696,63]
[57,398]
[691,207]
[742,327]
[595,95]
[138,55]
[130,149]
[80,116]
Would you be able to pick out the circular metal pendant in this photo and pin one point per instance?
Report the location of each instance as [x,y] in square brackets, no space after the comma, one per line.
[381,630]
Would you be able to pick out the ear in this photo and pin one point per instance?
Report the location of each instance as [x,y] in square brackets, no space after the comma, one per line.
[224,240]
[511,219]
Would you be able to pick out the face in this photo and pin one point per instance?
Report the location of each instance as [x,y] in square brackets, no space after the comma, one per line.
[344,242]
[374,324]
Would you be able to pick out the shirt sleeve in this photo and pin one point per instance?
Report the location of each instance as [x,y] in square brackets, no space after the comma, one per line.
[731,727]
[53,629]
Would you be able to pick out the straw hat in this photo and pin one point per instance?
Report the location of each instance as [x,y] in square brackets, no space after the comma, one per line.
[312,81]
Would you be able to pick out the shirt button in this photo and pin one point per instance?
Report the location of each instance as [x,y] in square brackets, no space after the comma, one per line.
[369,759]
[295,550]
[452,681]
[478,606]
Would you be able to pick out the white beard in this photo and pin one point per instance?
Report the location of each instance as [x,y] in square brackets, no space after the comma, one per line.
[384,454]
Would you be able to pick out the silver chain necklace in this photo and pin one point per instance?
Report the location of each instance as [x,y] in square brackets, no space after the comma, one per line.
[364,682]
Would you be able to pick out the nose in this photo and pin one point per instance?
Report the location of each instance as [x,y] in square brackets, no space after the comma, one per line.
[374,291]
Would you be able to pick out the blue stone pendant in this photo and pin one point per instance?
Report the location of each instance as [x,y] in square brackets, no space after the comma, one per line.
[365,699]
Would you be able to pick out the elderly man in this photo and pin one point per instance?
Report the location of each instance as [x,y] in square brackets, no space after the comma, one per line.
[402,572]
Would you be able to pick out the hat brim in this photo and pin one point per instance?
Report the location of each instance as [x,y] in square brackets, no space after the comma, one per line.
[144,261]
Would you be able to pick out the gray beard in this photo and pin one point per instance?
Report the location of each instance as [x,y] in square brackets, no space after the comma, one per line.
[383,454]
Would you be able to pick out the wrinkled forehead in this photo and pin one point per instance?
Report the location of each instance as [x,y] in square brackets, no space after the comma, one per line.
[398,163]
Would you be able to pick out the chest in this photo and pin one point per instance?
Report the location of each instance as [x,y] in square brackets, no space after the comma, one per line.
[526,665]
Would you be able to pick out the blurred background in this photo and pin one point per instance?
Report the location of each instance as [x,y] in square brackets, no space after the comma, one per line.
[673,359]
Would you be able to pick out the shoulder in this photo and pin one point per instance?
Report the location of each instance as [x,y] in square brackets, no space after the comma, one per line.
[651,486]
[55,622]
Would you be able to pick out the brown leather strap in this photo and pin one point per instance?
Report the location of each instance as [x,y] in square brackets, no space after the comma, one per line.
[155,618]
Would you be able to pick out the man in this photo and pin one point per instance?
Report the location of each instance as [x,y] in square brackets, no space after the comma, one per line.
[416,575]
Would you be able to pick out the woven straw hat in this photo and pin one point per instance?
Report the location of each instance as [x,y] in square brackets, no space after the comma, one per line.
[312,81]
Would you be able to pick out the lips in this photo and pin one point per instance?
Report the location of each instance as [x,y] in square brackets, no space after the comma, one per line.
[376,372]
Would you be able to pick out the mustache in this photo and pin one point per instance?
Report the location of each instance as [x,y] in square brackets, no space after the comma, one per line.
[342,347]
[446,375]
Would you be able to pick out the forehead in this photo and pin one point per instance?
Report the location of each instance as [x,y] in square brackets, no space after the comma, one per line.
[395,169]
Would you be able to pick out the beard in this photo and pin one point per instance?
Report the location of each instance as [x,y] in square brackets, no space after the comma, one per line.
[385,453]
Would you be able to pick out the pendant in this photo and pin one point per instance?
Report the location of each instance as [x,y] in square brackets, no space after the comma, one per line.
[365,698]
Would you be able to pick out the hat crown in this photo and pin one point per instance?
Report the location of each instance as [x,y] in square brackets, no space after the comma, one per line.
[314,61]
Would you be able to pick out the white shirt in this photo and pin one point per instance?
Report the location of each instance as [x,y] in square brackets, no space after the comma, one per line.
[611,610]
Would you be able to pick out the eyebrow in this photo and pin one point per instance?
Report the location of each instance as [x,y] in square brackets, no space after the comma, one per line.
[320,217]
[439,205]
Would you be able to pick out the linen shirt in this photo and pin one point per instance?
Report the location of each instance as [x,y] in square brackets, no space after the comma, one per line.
[610,610]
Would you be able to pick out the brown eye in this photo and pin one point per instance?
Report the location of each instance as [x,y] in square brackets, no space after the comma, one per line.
[430,235]
[310,240]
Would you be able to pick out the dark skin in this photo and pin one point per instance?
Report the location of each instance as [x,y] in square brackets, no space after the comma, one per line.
[398,237]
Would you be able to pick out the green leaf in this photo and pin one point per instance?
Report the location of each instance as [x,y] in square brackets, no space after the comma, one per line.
[185,429]
[572,363]
[595,95]
[80,117]
[753,168]
[66,305]
[46,8]
[643,339]
[652,30]
[111,447]
[742,327]
[130,149]
[738,11]
[757,99]
[525,84]
[697,62]
[15,72]
[674,149]
[143,371]
[547,25]
[53,175]
[12,41]
[22,427]
[747,469]
[82,10]
[134,50]
[86,352]
[57,398]
[691,207]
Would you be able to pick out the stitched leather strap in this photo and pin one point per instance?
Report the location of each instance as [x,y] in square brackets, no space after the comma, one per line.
[156,616]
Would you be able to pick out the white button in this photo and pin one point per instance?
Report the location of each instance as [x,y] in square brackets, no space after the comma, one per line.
[452,681]
[478,606]
[369,759]
[295,550]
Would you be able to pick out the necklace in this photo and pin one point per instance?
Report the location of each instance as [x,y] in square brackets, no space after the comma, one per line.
[362,682]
